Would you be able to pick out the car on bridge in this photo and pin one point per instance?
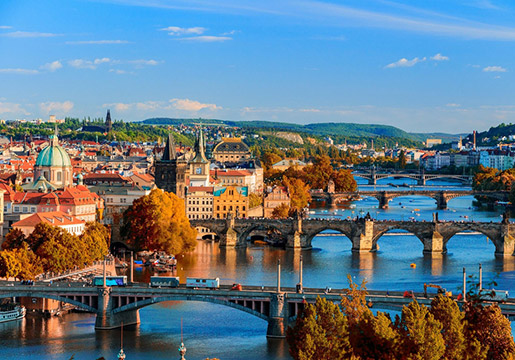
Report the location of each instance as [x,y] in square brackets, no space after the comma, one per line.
[203,283]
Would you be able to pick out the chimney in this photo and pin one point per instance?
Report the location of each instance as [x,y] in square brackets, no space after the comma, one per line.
[474,139]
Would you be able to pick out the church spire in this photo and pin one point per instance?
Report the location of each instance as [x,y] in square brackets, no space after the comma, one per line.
[109,124]
[169,153]
[55,139]
[200,156]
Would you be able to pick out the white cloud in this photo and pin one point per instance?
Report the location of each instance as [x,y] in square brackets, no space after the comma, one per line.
[55,106]
[145,62]
[28,34]
[439,57]
[405,63]
[19,71]
[52,66]
[5,27]
[88,64]
[453,105]
[206,38]
[97,42]
[119,107]
[494,69]
[192,105]
[118,71]
[178,31]
[12,108]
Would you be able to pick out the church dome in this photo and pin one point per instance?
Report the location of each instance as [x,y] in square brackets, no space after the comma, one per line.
[53,155]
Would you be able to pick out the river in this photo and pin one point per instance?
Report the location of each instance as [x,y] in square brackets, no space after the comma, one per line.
[211,330]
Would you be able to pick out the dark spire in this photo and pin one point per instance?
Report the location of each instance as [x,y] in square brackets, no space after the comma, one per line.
[200,157]
[169,153]
[109,123]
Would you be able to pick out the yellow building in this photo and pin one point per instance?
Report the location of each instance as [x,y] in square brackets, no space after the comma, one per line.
[230,199]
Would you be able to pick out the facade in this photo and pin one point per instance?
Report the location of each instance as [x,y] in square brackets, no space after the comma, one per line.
[231,150]
[287,163]
[226,177]
[437,161]
[60,219]
[54,165]
[497,159]
[199,202]
[277,196]
[230,200]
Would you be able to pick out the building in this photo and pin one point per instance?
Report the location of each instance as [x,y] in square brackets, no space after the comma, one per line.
[199,202]
[199,165]
[231,199]
[231,150]
[225,177]
[433,142]
[107,128]
[172,170]
[497,159]
[60,219]
[277,196]
[54,165]
[287,163]
[437,161]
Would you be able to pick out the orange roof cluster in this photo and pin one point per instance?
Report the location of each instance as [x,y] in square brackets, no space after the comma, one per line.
[225,172]
[54,218]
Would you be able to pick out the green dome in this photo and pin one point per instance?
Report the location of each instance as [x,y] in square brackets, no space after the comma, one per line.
[53,155]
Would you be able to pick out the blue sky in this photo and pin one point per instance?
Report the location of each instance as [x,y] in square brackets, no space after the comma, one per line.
[440,65]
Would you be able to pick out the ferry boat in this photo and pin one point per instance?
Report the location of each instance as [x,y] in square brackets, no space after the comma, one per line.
[11,312]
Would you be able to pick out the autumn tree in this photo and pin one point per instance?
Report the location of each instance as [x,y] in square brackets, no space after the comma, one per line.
[446,311]
[14,239]
[255,200]
[281,212]
[298,191]
[158,222]
[19,263]
[344,181]
[96,239]
[320,333]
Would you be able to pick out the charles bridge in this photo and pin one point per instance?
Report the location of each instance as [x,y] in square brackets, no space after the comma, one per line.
[421,178]
[279,306]
[364,233]
[442,197]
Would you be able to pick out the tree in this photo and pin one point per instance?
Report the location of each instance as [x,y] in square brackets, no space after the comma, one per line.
[20,263]
[95,239]
[344,181]
[421,333]
[255,200]
[320,332]
[491,329]
[298,191]
[281,212]
[446,311]
[319,173]
[158,222]
[14,239]
[402,159]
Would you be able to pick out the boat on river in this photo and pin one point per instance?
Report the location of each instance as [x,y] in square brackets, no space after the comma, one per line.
[11,312]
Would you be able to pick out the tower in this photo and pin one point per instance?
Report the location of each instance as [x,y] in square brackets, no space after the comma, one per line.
[171,171]
[109,124]
[199,165]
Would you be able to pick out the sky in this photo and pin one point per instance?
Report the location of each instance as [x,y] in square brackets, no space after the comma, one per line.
[422,66]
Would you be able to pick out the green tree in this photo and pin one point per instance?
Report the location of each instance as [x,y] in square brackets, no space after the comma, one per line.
[421,333]
[402,159]
[320,333]
[158,222]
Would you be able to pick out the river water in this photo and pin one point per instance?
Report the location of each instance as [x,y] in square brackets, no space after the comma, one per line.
[211,330]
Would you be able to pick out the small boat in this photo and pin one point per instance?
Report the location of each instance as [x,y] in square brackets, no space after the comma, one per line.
[10,312]
[413,265]
[260,242]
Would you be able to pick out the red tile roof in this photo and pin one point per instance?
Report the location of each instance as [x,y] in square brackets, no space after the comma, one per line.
[55,218]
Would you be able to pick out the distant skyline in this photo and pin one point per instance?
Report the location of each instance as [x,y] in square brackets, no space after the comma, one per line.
[438,66]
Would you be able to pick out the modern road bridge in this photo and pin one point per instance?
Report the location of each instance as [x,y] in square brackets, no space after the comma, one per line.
[116,305]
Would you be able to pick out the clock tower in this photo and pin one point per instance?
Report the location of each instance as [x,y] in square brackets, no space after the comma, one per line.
[199,165]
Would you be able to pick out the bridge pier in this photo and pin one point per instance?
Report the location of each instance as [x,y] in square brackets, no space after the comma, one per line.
[278,319]
[363,239]
[383,200]
[505,246]
[372,181]
[441,201]
[106,318]
[434,244]
[297,240]
[421,181]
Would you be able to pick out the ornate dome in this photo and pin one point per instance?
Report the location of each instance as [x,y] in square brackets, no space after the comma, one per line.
[53,155]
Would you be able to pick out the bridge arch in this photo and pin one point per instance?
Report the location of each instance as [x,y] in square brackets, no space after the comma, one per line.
[64,299]
[470,227]
[213,300]
[269,225]
[214,228]
[378,235]
[334,227]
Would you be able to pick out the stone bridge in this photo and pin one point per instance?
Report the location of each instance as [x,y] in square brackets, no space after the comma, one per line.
[421,178]
[278,306]
[363,233]
[442,197]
